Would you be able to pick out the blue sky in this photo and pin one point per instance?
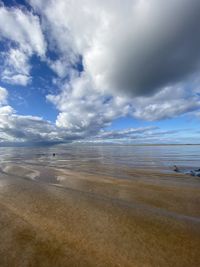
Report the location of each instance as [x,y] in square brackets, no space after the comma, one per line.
[99,71]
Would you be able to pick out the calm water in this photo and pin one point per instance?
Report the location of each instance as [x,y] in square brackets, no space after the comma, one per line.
[159,157]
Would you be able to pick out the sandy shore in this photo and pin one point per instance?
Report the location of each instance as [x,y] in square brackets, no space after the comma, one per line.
[60,217]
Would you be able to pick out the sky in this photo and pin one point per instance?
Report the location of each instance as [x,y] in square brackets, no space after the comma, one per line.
[99,71]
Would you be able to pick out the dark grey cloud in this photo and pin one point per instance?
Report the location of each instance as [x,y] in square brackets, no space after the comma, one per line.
[163,50]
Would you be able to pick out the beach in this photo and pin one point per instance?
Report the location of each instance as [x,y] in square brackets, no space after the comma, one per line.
[99,133]
[96,215]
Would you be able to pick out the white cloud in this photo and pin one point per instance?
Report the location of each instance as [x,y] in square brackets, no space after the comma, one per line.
[84,110]
[29,129]
[3,96]
[16,128]
[168,103]
[60,66]
[135,47]
[138,58]
[96,113]
[11,78]
[145,135]
[130,133]
[16,67]
[23,29]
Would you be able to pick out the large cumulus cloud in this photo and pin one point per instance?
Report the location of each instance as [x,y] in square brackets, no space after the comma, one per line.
[135,47]
[145,53]
[84,110]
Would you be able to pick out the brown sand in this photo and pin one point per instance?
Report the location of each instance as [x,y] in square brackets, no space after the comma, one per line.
[59,217]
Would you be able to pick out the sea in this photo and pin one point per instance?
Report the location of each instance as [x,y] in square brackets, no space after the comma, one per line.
[159,157]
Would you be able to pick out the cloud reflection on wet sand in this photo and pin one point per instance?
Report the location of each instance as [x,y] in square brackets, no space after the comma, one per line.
[77,218]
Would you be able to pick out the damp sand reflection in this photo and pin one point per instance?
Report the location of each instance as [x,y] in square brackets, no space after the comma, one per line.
[71,210]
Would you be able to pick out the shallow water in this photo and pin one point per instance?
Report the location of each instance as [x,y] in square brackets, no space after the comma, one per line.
[161,157]
[79,207]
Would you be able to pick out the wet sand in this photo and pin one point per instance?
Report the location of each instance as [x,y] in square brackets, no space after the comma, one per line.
[97,216]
